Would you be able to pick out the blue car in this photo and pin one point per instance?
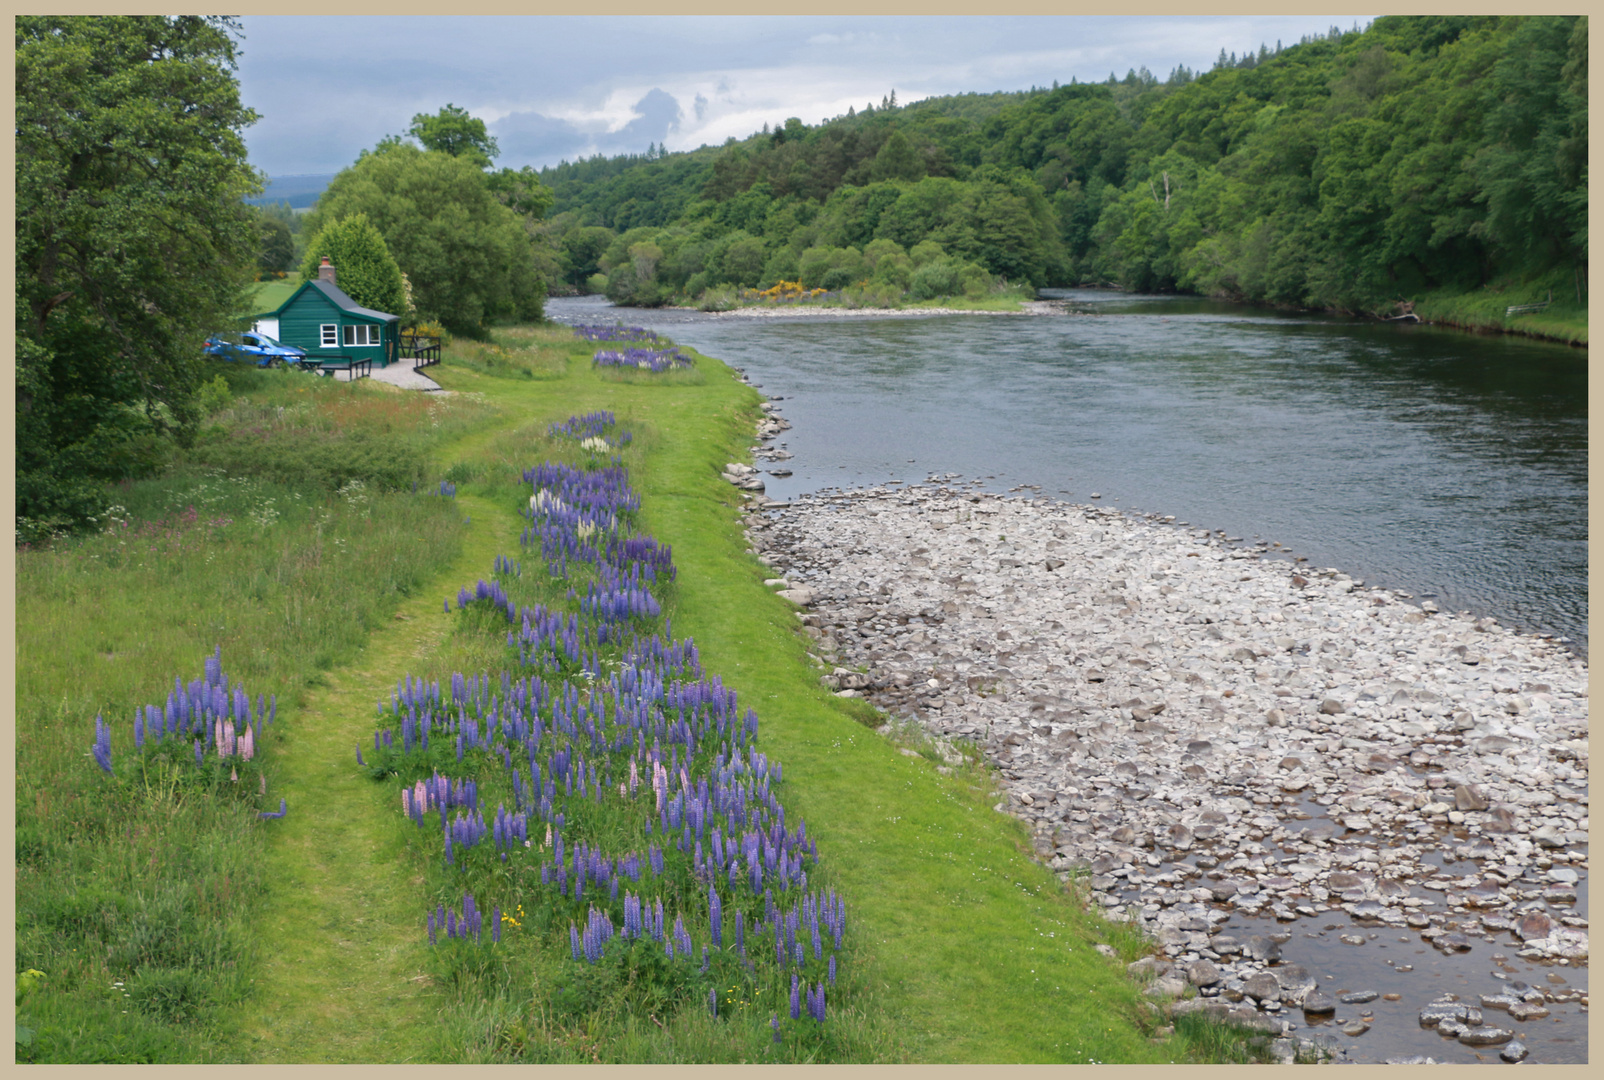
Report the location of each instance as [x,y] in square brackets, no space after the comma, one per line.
[258,349]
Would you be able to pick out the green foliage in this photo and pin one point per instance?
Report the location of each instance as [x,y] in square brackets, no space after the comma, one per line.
[453,131]
[521,191]
[132,244]
[278,244]
[364,268]
[1350,171]
[214,396]
[468,257]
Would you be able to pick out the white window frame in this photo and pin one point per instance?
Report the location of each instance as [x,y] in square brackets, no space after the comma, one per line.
[360,335]
[329,335]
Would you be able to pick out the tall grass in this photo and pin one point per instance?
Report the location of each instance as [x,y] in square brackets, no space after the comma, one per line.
[518,352]
[1486,309]
[136,891]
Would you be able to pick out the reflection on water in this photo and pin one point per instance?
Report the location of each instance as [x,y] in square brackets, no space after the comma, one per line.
[1449,465]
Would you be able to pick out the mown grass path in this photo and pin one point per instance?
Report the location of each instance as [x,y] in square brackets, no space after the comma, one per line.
[342,976]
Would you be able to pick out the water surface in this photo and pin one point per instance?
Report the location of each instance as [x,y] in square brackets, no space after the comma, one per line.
[1449,465]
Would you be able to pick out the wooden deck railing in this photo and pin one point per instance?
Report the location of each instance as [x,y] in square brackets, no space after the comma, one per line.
[425,348]
[329,363]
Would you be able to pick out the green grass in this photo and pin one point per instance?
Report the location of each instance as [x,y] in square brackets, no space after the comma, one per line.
[134,883]
[1565,318]
[270,294]
[301,939]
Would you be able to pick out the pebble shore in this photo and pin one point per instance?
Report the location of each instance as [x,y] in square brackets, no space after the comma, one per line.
[1197,729]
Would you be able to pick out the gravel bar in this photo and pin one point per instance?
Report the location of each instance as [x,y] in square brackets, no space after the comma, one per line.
[1197,729]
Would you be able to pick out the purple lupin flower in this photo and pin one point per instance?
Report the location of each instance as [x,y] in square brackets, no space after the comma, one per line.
[712,1001]
[832,969]
[715,916]
[495,925]
[102,747]
[774,1022]
[573,939]
[796,998]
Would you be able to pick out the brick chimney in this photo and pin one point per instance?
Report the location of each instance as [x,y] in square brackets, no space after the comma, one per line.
[325,271]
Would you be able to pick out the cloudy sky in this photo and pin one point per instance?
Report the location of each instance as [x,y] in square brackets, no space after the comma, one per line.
[555,88]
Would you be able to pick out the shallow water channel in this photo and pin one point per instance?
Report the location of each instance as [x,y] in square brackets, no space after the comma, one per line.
[1447,465]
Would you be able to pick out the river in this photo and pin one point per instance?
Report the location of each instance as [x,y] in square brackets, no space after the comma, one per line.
[1448,465]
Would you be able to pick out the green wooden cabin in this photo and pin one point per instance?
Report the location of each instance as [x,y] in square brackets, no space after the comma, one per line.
[321,319]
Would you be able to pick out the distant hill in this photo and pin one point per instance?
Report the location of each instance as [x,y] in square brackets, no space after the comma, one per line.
[299,191]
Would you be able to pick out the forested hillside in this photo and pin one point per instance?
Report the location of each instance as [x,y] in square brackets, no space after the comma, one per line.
[1424,156]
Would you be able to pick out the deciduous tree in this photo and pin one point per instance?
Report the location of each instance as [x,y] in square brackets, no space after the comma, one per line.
[132,244]
[468,257]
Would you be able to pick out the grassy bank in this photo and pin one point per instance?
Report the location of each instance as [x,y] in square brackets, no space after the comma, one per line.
[139,893]
[301,939]
[1564,318]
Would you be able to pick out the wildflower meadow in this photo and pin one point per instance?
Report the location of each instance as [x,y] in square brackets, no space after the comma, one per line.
[600,806]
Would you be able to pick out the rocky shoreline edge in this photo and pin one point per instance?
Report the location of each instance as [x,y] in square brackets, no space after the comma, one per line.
[1195,731]
[1027,307]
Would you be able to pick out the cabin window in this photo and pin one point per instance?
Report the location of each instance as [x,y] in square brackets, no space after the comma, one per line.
[366,334]
[330,335]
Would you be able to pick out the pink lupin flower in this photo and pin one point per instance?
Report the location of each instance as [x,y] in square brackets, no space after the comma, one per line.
[228,747]
[247,745]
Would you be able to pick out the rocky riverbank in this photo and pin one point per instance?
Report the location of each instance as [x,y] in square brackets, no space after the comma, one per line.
[775,311]
[1200,733]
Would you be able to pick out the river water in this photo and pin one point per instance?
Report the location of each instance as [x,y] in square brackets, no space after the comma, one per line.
[1447,465]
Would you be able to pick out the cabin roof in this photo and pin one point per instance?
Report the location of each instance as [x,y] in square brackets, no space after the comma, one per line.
[338,298]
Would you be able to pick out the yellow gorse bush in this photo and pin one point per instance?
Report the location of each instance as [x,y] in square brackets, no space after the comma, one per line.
[782,292]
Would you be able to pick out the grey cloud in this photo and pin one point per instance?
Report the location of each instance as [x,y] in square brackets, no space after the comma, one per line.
[659,114]
[532,136]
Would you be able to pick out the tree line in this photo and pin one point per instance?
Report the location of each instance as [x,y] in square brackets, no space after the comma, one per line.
[1348,171]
